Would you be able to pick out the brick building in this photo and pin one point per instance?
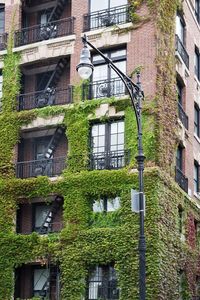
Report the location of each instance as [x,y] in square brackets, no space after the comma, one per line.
[68,147]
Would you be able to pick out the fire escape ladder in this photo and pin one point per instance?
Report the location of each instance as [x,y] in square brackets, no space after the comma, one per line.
[54,142]
[57,11]
[54,79]
[45,287]
[47,223]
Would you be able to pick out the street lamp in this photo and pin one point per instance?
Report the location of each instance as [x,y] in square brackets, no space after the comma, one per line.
[85,69]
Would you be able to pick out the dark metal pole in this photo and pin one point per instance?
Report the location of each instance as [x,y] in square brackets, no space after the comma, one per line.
[142,243]
[136,96]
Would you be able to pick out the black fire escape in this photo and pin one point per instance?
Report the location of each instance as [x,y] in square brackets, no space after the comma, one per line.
[45,164]
[50,94]
[47,225]
[52,28]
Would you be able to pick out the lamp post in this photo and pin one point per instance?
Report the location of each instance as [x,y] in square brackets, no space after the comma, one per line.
[85,69]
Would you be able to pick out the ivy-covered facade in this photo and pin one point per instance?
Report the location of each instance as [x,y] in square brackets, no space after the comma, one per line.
[66,226]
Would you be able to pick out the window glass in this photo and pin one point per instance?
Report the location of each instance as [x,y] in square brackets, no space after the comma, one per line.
[180,28]
[196,178]
[2,18]
[41,211]
[196,120]
[106,204]
[114,3]
[40,277]
[98,138]
[113,204]
[117,136]
[196,63]
[179,92]
[98,206]
[179,158]
[98,5]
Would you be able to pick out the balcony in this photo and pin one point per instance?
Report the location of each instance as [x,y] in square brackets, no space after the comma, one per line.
[42,167]
[44,98]
[103,89]
[182,116]
[107,17]
[180,48]
[109,160]
[181,179]
[48,31]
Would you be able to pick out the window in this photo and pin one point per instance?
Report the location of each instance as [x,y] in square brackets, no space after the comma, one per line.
[105,82]
[41,282]
[102,284]
[42,218]
[105,4]
[107,145]
[180,220]
[196,177]
[197,10]
[197,63]
[179,89]
[2,18]
[197,233]
[106,204]
[196,120]
[180,29]
[179,158]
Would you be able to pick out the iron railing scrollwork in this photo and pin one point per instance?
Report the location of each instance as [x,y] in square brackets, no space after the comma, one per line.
[44,98]
[107,17]
[180,48]
[43,167]
[181,179]
[182,116]
[103,89]
[40,32]
[109,160]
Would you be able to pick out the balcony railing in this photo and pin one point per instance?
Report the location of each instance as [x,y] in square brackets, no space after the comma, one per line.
[109,160]
[182,116]
[3,41]
[181,179]
[43,167]
[103,89]
[180,48]
[48,31]
[107,17]
[44,98]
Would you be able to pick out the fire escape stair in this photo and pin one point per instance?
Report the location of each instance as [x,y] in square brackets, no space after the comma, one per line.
[48,95]
[45,168]
[47,223]
[57,11]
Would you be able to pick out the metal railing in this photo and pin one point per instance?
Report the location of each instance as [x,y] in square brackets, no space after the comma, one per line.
[106,17]
[182,116]
[3,41]
[43,167]
[40,32]
[44,98]
[180,48]
[181,179]
[109,160]
[103,89]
